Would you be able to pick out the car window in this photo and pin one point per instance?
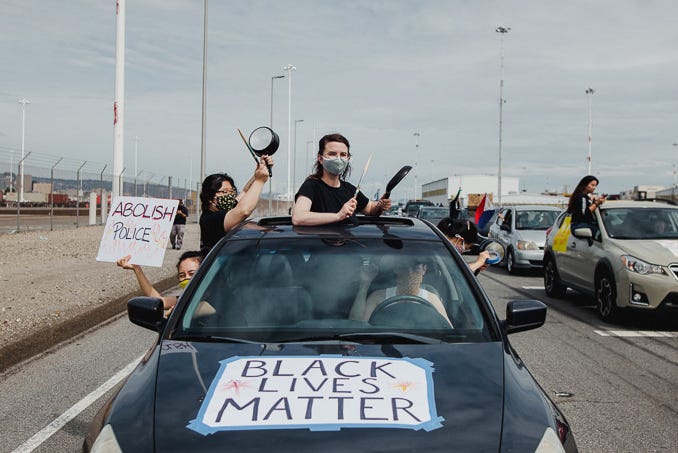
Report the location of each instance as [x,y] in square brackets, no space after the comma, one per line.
[535,219]
[433,213]
[640,223]
[275,290]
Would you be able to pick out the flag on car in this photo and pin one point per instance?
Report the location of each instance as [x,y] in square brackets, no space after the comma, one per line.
[485,205]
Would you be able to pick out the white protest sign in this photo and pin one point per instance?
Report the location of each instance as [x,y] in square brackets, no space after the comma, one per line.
[139,227]
[319,393]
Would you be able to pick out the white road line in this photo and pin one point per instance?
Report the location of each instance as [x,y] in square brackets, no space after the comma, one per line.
[59,422]
[635,333]
[533,287]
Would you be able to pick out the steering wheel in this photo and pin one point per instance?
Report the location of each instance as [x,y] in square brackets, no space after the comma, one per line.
[408,311]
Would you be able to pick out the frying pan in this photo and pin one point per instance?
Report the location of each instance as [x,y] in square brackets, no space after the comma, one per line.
[264,141]
[396,179]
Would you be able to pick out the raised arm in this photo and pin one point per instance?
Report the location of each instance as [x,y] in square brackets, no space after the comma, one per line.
[147,288]
[250,197]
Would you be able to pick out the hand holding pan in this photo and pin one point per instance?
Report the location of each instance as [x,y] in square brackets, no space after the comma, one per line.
[396,179]
[264,141]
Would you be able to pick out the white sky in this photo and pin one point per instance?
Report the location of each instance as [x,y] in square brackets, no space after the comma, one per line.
[376,71]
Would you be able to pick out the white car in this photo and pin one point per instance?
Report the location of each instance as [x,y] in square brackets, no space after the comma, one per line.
[631,262]
[522,232]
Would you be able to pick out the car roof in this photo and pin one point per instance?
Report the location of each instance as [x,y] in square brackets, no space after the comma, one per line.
[389,227]
[536,207]
[637,204]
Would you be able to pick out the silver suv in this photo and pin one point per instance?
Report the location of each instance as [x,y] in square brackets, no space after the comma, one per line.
[522,232]
[631,262]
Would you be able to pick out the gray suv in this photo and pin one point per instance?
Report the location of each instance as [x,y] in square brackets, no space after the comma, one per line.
[522,232]
[631,262]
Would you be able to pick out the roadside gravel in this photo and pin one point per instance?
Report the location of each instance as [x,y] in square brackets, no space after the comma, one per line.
[52,287]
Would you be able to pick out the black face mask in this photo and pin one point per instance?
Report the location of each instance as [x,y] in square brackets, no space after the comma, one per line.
[226,202]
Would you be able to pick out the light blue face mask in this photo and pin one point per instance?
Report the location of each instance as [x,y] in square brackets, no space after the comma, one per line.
[335,166]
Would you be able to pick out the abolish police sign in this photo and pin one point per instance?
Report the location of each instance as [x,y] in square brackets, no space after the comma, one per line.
[139,227]
[319,393]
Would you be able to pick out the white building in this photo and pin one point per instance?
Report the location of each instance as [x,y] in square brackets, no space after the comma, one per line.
[442,190]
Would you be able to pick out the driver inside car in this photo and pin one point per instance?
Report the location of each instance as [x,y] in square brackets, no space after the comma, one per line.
[409,275]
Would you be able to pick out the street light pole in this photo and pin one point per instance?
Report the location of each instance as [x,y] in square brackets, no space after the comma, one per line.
[294,166]
[289,68]
[416,158]
[23,103]
[502,31]
[270,123]
[673,190]
[590,92]
[203,134]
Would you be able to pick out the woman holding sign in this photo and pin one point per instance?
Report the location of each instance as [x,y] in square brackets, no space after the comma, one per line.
[326,196]
[223,207]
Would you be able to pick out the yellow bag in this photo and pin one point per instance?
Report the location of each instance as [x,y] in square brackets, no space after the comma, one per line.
[561,237]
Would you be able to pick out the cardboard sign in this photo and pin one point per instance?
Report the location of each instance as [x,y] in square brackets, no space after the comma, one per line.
[319,393]
[139,227]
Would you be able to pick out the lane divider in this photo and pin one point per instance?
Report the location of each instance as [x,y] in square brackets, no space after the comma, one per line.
[636,333]
[45,433]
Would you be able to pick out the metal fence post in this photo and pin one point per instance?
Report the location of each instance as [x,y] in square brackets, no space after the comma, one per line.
[51,195]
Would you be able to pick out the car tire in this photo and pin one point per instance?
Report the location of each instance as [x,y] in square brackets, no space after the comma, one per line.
[510,262]
[552,284]
[606,296]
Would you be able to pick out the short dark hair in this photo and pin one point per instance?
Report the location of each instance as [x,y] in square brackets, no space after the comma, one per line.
[210,187]
[197,255]
[464,228]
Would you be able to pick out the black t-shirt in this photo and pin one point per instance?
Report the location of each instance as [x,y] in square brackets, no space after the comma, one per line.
[330,199]
[582,213]
[180,219]
[211,227]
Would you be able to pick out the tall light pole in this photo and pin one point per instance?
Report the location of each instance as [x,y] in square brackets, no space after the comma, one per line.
[294,165]
[673,190]
[23,103]
[502,31]
[416,158]
[289,68]
[119,97]
[203,133]
[590,92]
[270,123]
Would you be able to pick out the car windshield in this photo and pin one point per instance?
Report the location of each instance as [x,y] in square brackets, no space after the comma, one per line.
[535,219]
[304,290]
[641,223]
[433,213]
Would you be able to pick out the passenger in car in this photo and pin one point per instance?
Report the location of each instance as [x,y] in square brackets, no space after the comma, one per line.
[223,207]
[186,266]
[582,204]
[326,197]
[462,234]
[409,275]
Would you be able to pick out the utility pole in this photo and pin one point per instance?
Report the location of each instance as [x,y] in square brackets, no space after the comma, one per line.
[502,31]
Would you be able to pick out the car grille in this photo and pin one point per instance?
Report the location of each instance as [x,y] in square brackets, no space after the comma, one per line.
[674,269]
[537,262]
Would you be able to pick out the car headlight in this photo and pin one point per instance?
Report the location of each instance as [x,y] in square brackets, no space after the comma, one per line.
[639,266]
[549,443]
[106,442]
[527,245]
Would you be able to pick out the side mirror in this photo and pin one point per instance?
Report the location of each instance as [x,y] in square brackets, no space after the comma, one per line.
[583,233]
[522,315]
[147,312]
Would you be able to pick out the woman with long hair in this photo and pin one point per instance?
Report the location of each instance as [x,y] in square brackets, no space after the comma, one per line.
[326,196]
[582,204]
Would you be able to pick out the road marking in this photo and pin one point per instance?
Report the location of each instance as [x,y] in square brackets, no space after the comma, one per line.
[533,287]
[635,333]
[59,422]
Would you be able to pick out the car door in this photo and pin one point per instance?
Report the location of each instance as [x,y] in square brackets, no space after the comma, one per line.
[506,228]
[580,261]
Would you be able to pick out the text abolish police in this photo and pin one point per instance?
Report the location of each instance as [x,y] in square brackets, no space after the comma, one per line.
[138,211]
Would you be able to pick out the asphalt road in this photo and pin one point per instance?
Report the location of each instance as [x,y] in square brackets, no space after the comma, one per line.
[619,383]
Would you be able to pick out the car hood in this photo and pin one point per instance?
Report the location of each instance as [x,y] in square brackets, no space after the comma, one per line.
[654,251]
[536,236]
[329,397]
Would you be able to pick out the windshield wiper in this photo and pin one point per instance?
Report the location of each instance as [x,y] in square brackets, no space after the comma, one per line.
[213,338]
[411,338]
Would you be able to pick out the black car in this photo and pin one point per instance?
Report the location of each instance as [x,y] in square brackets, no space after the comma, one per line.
[281,342]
